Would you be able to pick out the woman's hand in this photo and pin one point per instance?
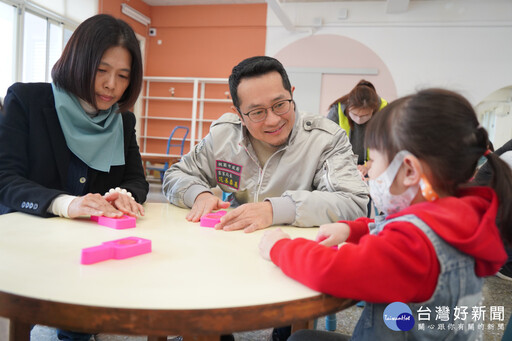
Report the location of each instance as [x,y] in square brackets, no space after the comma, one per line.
[333,234]
[92,204]
[268,240]
[124,203]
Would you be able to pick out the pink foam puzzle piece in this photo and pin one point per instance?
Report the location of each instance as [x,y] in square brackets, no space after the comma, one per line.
[211,219]
[124,222]
[116,249]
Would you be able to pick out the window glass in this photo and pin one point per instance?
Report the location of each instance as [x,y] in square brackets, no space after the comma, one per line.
[8,46]
[67,35]
[54,47]
[29,51]
[34,48]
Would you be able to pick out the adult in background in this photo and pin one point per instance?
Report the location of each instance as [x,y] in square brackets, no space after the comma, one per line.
[352,112]
[69,148]
[280,166]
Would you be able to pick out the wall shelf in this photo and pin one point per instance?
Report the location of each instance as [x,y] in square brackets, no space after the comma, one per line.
[165,97]
[149,137]
[171,118]
[187,99]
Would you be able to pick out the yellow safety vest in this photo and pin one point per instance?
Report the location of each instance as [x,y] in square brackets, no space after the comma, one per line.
[343,121]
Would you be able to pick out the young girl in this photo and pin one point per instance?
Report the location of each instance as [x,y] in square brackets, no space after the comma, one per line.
[438,236]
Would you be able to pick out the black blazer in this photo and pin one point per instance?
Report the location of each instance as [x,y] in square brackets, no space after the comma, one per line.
[34,157]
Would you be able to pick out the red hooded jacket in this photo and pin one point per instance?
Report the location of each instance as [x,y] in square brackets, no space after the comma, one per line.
[399,263]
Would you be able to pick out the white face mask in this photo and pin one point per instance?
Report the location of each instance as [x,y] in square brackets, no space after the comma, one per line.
[379,188]
[362,119]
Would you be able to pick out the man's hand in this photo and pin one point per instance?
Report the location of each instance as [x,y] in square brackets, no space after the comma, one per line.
[92,204]
[269,239]
[204,204]
[249,217]
[125,204]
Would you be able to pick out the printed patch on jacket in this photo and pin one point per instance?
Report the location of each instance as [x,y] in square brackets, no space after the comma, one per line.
[228,173]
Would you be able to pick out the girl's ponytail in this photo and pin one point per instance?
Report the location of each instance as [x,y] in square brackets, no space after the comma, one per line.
[501,182]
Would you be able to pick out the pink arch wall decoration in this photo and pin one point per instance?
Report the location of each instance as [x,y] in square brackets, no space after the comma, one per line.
[335,51]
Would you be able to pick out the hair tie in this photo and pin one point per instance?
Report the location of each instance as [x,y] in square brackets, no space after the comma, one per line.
[487,152]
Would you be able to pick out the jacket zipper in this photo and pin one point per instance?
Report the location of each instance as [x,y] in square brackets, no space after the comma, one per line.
[328,182]
[260,180]
[260,171]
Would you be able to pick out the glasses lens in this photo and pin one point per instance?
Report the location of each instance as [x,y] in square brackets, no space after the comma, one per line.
[281,107]
[257,115]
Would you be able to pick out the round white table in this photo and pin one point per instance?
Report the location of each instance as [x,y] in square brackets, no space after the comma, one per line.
[197,282]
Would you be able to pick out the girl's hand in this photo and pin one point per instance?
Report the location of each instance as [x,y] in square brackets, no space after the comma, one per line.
[124,203]
[270,237]
[92,204]
[363,169]
[333,234]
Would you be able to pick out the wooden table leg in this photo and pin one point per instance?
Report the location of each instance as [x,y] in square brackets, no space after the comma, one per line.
[303,325]
[19,331]
[157,338]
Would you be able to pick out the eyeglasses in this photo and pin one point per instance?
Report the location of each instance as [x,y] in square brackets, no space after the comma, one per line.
[278,108]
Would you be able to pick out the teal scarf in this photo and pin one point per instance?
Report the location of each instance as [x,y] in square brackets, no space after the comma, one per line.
[97,141]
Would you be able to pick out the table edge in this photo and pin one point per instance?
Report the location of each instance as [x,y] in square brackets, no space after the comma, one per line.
[96,319]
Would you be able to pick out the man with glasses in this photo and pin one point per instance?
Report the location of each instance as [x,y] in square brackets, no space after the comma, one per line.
[275,165]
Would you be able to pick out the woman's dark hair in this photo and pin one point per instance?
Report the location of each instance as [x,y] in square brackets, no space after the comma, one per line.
[441,128]
[363,96]
[252,67]
[75,71]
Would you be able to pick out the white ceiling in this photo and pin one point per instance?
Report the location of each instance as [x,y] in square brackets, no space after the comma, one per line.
[217,2]
[392,6]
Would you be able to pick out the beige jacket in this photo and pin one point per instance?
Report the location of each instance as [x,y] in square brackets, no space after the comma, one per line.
[312,180]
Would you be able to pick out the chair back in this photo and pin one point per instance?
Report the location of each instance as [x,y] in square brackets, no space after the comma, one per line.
[180,144]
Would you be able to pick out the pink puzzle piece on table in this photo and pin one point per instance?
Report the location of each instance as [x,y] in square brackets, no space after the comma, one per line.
[125,222]
[116,249]
[211,219]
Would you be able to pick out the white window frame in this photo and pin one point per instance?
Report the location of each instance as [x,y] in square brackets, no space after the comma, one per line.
[24,6]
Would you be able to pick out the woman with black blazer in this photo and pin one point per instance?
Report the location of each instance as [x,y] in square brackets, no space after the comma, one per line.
[69,148]
[64,145]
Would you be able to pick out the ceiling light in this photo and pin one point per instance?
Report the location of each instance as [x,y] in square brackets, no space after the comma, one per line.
[135,15]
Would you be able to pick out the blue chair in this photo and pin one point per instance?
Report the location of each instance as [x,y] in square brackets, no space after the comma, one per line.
[169,145]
